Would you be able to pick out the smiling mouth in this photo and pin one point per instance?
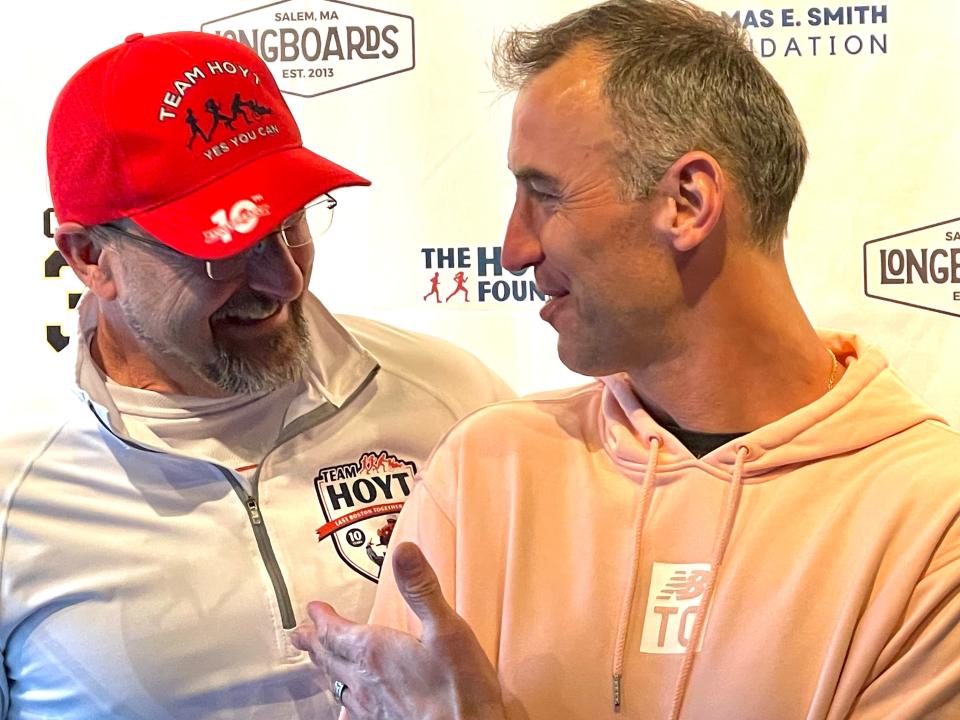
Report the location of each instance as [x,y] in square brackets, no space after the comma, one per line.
[247,319]
[248,310]
[550,308]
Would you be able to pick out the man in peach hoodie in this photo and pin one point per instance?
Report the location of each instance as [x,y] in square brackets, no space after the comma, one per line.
[742,518]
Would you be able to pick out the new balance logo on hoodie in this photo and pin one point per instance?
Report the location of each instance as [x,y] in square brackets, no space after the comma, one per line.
[676,591]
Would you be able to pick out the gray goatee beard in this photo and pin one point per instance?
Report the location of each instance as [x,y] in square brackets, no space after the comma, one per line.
[279,363]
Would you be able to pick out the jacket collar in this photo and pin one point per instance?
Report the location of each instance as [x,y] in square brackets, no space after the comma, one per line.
[337,368]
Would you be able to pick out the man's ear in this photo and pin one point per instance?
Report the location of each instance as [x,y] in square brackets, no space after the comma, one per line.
[695,187]
[81,251]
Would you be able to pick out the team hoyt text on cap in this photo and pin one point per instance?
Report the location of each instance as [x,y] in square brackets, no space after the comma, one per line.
[188,135]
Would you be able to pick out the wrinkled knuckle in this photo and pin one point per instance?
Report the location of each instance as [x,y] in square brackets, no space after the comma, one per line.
[323,637]
[367,657]
[422,587]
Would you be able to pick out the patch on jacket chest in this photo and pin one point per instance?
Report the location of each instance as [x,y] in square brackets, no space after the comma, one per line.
[360,501]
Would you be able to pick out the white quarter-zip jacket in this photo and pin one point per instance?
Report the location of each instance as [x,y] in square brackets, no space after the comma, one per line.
[136,582]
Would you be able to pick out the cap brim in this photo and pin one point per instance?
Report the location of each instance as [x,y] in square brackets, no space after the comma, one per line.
[236,211]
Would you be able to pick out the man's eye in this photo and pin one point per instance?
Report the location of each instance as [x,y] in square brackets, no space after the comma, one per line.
[291,222]
[543,195]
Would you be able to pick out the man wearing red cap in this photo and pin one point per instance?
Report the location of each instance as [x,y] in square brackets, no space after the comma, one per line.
[235,446]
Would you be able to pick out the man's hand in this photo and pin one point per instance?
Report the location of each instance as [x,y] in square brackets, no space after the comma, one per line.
[392,675]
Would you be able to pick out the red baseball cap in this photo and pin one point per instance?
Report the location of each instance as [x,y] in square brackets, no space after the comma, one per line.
[186,134]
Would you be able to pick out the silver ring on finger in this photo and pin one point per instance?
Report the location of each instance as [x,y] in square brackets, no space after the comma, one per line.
[339,689]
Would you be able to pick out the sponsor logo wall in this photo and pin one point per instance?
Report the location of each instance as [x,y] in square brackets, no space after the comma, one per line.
[400,91]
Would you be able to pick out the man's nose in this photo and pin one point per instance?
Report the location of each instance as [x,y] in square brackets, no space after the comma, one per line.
[276,272]
[521,243]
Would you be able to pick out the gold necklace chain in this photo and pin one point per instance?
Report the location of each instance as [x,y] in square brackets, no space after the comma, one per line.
[834,368]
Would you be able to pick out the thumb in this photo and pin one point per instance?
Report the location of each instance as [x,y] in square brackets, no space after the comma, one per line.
[419,586]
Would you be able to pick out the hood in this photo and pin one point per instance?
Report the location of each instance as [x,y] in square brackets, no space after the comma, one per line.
[868,404]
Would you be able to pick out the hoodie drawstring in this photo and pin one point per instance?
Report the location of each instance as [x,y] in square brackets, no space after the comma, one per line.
[626,604]
[719,550]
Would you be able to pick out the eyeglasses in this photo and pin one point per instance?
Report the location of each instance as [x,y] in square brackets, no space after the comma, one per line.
[289,231]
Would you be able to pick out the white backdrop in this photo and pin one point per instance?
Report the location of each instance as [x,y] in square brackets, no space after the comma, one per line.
[875,90]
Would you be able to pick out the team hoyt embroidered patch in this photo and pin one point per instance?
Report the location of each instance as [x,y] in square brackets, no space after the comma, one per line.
[360,501]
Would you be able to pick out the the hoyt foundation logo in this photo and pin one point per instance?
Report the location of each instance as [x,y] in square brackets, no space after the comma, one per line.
[919,268]
[807,31]
[315,47]
[474,275]
[360,501]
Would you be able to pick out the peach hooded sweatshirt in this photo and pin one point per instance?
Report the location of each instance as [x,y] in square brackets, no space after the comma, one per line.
[577,537]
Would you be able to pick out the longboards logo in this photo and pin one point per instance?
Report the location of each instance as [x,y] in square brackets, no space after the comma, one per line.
[316,47]
[919,268]
[360,501]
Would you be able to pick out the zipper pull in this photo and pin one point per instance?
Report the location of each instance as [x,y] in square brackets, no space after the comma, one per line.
[616,692]
[253,511]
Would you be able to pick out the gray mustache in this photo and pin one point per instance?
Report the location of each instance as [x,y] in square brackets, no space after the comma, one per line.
[247,304]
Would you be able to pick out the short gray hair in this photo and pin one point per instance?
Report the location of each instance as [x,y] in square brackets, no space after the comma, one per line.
[679,78]
[104,236]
